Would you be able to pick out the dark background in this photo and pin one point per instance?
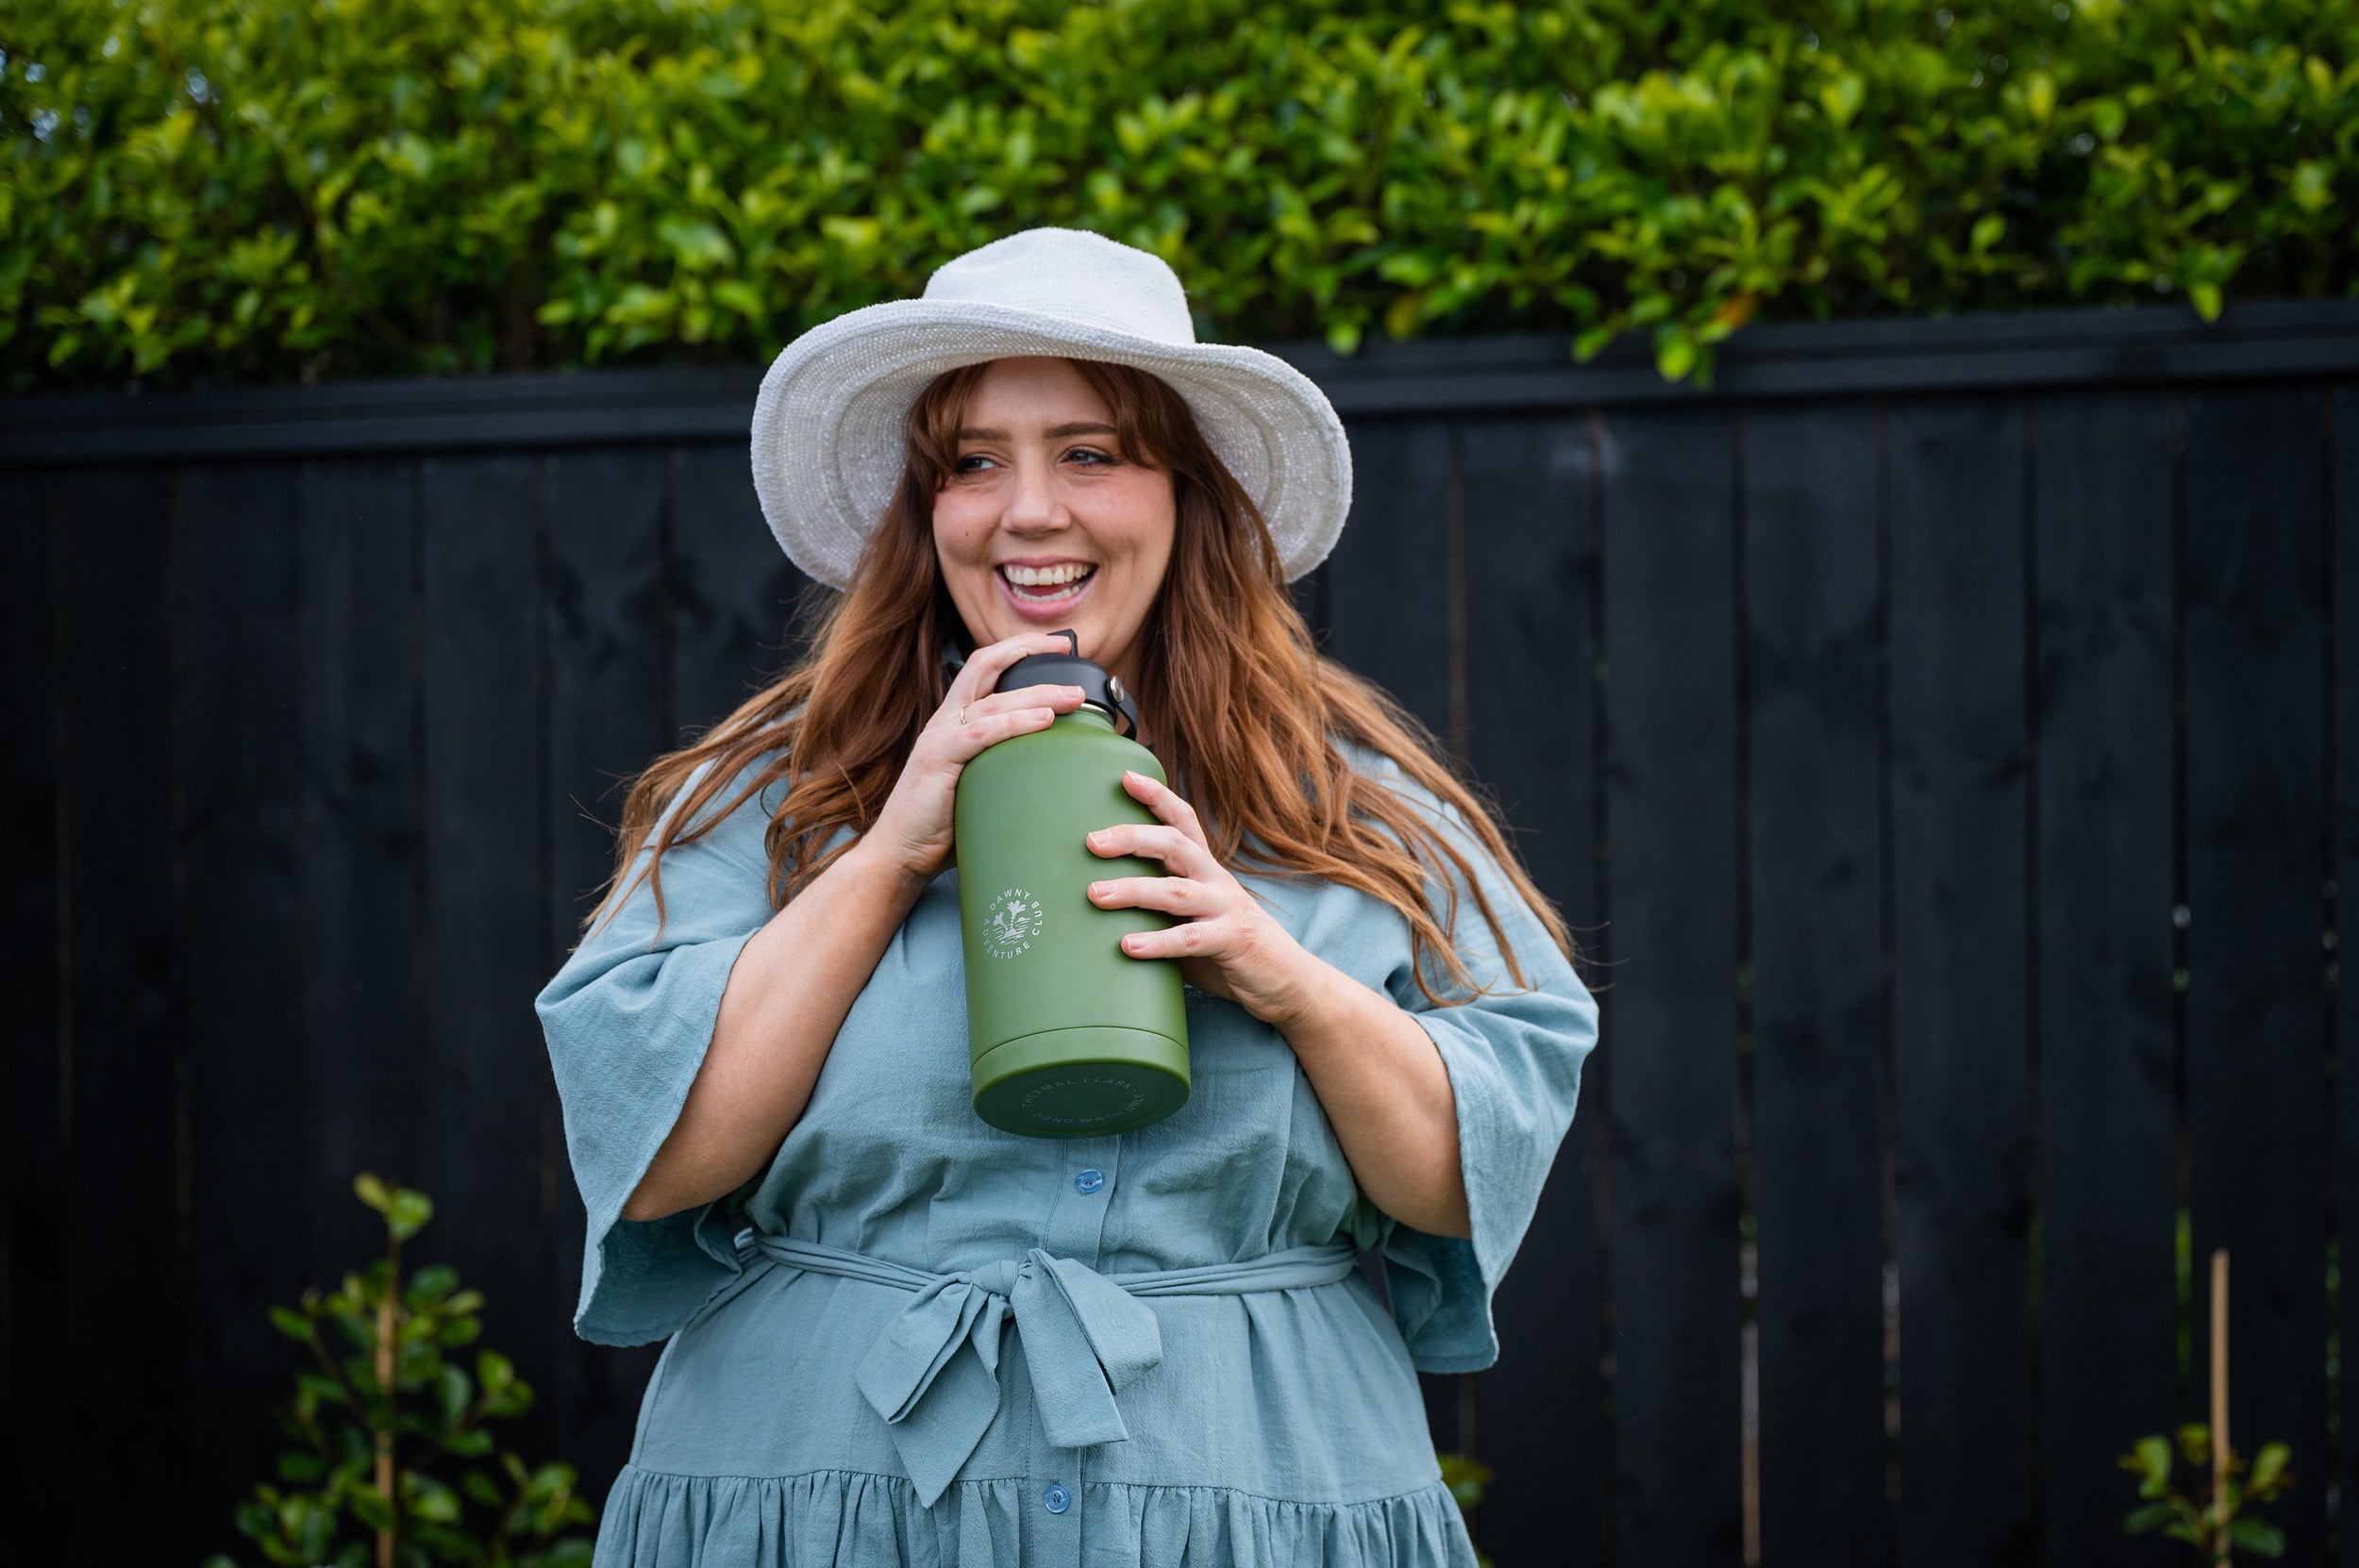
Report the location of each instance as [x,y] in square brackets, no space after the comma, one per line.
[1934,733]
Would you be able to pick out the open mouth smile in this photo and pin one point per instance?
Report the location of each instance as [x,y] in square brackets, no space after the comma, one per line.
[1046,588]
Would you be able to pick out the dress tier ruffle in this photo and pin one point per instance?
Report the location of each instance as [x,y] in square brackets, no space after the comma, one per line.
[659,1521]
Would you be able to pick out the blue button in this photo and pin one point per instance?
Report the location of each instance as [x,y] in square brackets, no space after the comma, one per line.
[1088,1182]
[1057,1499]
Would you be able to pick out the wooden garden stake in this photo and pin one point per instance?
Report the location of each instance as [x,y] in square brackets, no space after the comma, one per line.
[385,1330]
[2219,1406]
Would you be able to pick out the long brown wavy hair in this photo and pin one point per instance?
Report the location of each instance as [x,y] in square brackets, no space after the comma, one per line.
[1253,745]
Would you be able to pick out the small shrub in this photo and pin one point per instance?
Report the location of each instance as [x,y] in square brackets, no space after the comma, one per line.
[369,1427]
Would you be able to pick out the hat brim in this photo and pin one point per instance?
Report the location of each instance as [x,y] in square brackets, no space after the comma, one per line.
[827,426]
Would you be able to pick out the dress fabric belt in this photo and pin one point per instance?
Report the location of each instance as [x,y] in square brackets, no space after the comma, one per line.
[933,1373]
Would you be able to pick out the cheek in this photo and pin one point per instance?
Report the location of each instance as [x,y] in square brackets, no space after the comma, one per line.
[1143,521]
[961,531]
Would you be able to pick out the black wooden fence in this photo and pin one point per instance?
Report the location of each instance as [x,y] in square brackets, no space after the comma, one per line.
[1938,733]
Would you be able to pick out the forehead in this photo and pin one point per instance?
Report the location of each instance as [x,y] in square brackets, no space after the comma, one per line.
[1017,393]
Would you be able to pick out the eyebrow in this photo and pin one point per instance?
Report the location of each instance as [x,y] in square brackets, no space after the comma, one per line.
[1055,433]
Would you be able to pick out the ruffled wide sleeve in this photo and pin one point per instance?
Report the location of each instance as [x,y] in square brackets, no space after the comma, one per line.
[628,1020]
[1515,1058]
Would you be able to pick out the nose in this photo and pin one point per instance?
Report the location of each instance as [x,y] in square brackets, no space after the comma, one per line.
[1033,504]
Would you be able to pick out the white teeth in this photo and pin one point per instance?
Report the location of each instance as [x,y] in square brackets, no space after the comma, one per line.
[1045,577]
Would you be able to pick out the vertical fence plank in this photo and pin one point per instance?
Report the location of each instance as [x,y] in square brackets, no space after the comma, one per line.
[35,1290]
[2257,1121]
[1310,596]
[486,910]
[2344,547]
[1812,601]
[125,1215]
[245,956]
[1960,997]
[2101,542]
[1388,581]
[1672,834]
[605,701]
[1530,575]
[1389,617]
[361,852]
[733,590]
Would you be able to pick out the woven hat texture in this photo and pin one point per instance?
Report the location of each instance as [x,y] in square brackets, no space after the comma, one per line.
[828,426]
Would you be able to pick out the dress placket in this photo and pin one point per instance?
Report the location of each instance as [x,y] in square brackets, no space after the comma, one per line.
[1076,1229]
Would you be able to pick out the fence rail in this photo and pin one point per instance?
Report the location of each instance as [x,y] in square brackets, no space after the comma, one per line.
[1935,732]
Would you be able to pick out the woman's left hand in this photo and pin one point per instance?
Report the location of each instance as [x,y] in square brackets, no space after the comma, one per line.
[1226,942]
[1374,1068]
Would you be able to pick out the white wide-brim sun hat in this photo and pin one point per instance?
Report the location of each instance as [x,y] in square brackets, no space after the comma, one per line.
[829,424]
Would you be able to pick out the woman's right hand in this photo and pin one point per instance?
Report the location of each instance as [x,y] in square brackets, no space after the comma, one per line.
[796,979]
[913,835]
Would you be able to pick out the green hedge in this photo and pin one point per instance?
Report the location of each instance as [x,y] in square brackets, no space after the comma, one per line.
[215,191]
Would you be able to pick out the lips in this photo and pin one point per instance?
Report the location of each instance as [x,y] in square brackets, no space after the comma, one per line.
[1047,587]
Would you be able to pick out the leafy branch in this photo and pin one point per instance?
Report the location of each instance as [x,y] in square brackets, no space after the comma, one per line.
[2197,1517]
[371,1416]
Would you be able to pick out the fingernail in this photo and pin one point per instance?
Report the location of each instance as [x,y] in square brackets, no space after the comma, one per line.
[1099,836]
[1097,890]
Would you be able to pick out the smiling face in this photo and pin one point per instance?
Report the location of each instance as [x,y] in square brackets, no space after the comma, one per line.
[1044,523]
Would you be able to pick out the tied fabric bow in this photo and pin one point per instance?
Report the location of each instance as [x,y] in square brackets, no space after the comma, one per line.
[933,1374]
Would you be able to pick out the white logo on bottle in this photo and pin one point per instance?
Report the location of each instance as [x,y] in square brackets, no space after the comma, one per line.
[1010,923]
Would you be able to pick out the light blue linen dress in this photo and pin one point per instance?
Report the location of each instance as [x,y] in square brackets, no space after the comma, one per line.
[915,1339]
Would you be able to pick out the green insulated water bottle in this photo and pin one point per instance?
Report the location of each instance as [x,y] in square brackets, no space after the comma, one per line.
[1070,1036]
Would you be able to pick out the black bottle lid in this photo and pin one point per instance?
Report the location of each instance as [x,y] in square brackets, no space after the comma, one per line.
[1098,689]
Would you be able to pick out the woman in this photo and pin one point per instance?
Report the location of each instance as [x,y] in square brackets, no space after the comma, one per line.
[899,1335]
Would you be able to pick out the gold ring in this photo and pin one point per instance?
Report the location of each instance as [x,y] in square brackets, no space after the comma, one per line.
[963,712]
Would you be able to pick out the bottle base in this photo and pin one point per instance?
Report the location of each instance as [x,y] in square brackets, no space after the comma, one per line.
[1081,1083]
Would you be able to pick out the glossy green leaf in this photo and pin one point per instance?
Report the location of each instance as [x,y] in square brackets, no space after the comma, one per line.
[2268,1466]
[2257,1536]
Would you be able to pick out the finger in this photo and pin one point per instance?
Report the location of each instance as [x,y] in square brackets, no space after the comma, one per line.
[1049,694]
[1181,855]
[1061,698]
[969,739]
[1172,895]
[984,667]
[1188,940]
[1166,803]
